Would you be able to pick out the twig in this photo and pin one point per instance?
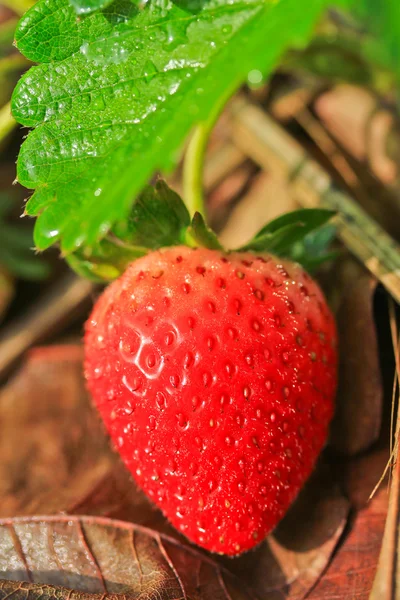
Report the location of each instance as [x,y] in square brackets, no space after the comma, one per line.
[327,146]
[261,138]
[386,583]
[47,316]
[220,163]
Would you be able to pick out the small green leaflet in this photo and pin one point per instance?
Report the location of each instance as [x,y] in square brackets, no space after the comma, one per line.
[157,219]
[83,7]
[281,234]
[302,235]
[119,89]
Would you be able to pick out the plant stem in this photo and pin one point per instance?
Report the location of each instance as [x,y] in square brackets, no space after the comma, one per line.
[193,169]
[7,121]
[194,157]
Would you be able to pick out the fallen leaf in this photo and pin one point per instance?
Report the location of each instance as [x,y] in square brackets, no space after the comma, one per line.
[75,558]
[290,562]
[52,444]
[351,573]
[359,397]
[117,496]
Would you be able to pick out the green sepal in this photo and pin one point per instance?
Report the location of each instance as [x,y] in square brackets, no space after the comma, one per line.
[202,234]
[106,261]
[281,234]
[158,218]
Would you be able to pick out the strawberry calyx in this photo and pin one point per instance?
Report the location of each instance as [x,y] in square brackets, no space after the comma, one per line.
[159,218]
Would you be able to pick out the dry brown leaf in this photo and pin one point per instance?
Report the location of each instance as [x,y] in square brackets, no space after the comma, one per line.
[287,565]
[292,560]
[98,558]
[362,474]
[352,570]
[52,444]
[117,496]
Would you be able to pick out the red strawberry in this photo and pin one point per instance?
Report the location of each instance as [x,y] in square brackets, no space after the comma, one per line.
[215,376]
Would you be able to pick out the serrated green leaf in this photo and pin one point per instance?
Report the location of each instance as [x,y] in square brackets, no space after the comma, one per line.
[83,7]
[202,234]
[281,234]
[119,90]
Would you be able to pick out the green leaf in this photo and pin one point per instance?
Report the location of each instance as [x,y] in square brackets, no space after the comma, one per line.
[333,57]
[375,27]
[383,20]
[270,240]
[159,218]
[88,6]
[118,91]
[202,234]
[281,234]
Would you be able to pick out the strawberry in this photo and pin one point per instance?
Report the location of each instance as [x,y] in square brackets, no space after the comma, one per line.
[215,376]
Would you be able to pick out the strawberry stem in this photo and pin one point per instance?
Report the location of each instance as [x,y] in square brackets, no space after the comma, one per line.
[193,169]
[193,192]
